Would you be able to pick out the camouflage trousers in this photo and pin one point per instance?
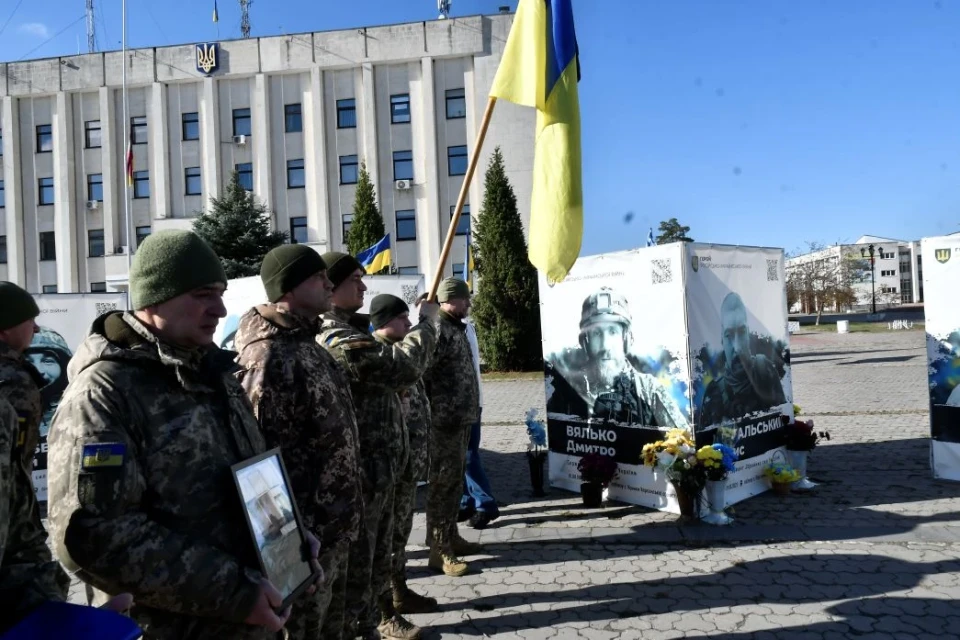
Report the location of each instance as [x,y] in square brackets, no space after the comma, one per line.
[331,596]
[405,499]
[368,578]
[448,464]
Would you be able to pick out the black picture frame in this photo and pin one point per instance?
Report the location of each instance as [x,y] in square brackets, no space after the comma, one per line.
[270,509]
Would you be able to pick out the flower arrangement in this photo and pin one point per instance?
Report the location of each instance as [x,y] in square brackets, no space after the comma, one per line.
[597,468]
[677,455]
[536,432]
[717,460]
[799,435]
[780,473]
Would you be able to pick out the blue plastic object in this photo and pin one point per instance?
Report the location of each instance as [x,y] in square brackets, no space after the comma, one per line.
[57,620]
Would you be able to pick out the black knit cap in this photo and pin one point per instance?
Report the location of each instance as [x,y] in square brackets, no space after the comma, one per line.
[16,306]
[287,266]
[340,266]
[384,308]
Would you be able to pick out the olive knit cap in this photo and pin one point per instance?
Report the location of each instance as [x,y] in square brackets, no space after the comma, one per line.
[451,289]
[287,266]
[340,266]
[384,308]
[16,305]
[170,263]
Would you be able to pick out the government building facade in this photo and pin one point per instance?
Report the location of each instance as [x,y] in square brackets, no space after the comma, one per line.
[293,115]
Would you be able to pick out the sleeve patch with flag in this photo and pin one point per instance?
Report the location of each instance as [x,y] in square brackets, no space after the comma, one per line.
[103,455]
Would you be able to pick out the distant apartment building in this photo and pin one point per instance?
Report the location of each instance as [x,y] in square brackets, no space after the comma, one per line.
[897,276]
[293,115]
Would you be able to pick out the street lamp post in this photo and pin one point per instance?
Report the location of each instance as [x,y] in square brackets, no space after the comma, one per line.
[873,274]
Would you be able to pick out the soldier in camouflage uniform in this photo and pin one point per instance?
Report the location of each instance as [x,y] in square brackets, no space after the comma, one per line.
[377,372]
[390,319]
[141,492]
[453,388]
[302,400]
[28,573]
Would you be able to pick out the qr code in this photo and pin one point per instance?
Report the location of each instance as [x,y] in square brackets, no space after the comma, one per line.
[409,293]
[662,271]
[773,270]
[105,307]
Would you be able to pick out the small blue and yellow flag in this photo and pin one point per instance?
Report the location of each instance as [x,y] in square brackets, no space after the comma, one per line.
[102,455]
[376,257]
[216,16]
[541,68]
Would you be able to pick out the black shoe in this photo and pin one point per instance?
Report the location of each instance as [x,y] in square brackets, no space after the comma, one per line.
[480,520]
[466,514]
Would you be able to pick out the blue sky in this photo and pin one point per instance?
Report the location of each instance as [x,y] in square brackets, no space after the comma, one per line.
[767,122]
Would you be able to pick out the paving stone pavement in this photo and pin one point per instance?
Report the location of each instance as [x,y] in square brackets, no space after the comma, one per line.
[872,553]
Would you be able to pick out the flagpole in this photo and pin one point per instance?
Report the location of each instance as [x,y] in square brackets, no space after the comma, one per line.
[464,188]
[126,149]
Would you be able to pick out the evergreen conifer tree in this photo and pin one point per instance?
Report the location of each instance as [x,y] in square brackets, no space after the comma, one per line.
[238,229]
[506,305]
[367,228]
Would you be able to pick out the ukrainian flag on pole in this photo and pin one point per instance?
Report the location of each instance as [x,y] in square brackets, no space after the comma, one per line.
[468,265]
[541,68]
[376,257]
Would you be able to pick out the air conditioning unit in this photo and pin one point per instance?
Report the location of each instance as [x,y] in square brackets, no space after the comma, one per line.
[92,205]
[403,185]
[241,140]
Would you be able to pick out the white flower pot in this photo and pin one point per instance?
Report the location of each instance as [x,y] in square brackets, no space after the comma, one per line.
[716,497]
[798,460]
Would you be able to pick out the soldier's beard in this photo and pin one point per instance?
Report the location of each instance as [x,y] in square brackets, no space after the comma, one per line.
[608,370]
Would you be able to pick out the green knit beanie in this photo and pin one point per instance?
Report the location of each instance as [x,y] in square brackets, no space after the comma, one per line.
[287,266]
[170,263]
[452,288]
[340,266]
[16,306]
[384,308]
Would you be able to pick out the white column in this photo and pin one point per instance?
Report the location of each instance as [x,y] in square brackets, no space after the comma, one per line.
[64,194]
[210,140]
[915,270]
[263,167]
[112,179]
[426,175]
[16,263]
[315,161]
[368,125]
[474,197]
[159,151]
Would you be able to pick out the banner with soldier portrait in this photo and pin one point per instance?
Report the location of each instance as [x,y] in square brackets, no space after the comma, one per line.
[64,322]
[941,275]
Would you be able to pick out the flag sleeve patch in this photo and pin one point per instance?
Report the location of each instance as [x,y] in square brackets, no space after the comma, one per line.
[103,455]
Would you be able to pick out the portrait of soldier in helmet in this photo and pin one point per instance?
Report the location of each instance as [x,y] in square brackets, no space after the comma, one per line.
[602,378]
[49,355]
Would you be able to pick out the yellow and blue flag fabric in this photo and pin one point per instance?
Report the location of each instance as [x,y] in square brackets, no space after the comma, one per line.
[376,257]
[541,68]
[468,264]
[216,16]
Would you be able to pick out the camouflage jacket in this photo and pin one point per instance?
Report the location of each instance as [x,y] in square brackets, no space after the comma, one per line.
[451,381]
[28,573]
[302,401]
[414,407]
[20,385]
[142,498]
[377,371]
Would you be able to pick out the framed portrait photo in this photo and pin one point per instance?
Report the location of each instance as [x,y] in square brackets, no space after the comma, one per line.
[275,523]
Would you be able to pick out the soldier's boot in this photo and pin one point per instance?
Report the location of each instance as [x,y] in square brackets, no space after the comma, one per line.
[447,563]
[463,547]
[394,626]
[405,600]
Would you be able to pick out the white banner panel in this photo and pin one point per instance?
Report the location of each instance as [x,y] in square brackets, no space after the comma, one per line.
[616,370]
[243,293]
[739,353]
[64,321]
[941,276]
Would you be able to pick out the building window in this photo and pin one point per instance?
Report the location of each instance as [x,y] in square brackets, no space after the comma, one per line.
[292,118]
[298,230]
[92,135]
[245,175]
[347,222]
[407,224]
[49,288]
[95,187]
[142,233]
[3,196]
[95,243]
[3,249]
[45,191]
[463,225]
[348,170]
[44,138]
[400,108]
[241,122]
[456,104]
[403,165]
[98,287]
[138,129]
[190,126]
[458,270]
[888,272]
[408,271]
[295,174]
[48,246]
[346,114]
[191,180]
[888,256]
[457,160]
[1,142]
[141,184]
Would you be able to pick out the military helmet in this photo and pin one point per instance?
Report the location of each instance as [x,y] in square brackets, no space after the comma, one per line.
[49,339]
[606,305]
